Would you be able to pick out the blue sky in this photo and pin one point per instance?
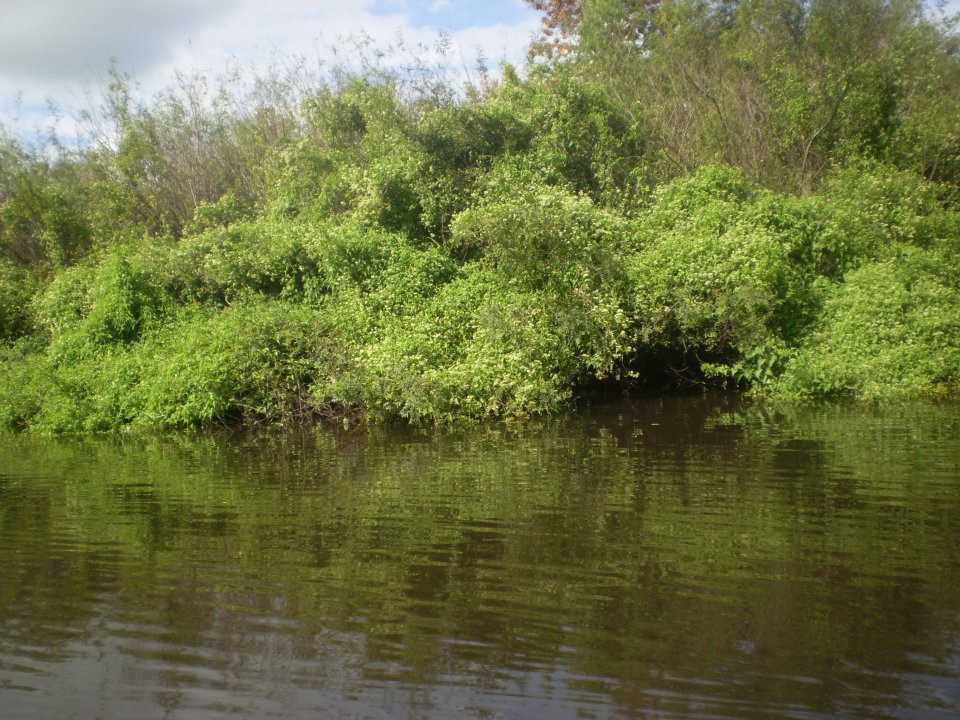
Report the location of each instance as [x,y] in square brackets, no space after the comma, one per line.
[456,14]
[60,50]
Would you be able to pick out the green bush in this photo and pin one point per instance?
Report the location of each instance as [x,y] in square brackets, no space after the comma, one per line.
[574,134]
[229,209]
[24,383]
[249,362]
[263,257]
[306,181]
[543,237]
[869,210]
[540,310]
[892,329]
[567,250]
[459,145]
[253,361]
[90,307]
[479,349]
[17,286]
[44,214]
[715,276]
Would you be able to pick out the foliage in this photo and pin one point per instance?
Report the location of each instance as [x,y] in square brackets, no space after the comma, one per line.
[727,191]
[477,350]
[716,275]
[778,89]
[892,329]
[577,135]
[870,211]
[16,290]
[254,362]
[44,214]
[24,379]
[222,265]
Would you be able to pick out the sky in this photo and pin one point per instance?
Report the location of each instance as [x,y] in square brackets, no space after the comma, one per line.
[60,51]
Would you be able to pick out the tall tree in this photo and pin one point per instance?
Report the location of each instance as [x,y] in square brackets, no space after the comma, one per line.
[779,88]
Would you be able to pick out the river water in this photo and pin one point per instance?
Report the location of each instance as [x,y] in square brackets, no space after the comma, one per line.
[686,557]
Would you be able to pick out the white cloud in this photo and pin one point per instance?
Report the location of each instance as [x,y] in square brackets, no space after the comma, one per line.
[255,30]
[44,40]
[57,48]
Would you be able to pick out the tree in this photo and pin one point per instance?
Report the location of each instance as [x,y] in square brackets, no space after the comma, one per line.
[559,26]
[778,88]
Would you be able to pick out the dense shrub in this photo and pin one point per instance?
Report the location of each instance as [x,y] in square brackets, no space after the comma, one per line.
[479,349]
[16,290]
[223,265]
[543,237]
[253,361]
[374,249]
[24,380]
[540,309]
[715,274]
[869,210]
[89,308]
[45,212]
[567,250]
[577,135]
[249,362]
[891,329]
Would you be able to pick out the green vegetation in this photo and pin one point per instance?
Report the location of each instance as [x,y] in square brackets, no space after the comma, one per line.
[696,193]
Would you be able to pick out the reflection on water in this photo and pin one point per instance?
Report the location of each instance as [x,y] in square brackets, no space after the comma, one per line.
[683,557]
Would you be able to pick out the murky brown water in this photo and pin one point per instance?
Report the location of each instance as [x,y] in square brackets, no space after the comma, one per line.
[675,558]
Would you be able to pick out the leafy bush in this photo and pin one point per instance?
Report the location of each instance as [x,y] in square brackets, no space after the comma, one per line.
[91,307]
[892,329]
[567,250]
[224,212]
[869,210]
[543,237]
[16,290]
[715,275]
[479,349]
[574,134]
[222,265]
[44,211]
[540,310]
[24,382]
[253,361]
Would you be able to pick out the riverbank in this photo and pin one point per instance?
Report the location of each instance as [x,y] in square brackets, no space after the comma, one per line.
[538,294]
[366,249]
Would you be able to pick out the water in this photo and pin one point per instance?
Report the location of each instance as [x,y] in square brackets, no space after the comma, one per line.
[691,557]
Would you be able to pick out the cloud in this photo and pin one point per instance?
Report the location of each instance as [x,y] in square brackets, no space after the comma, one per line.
[62,40]
[62,48]
[255,32]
